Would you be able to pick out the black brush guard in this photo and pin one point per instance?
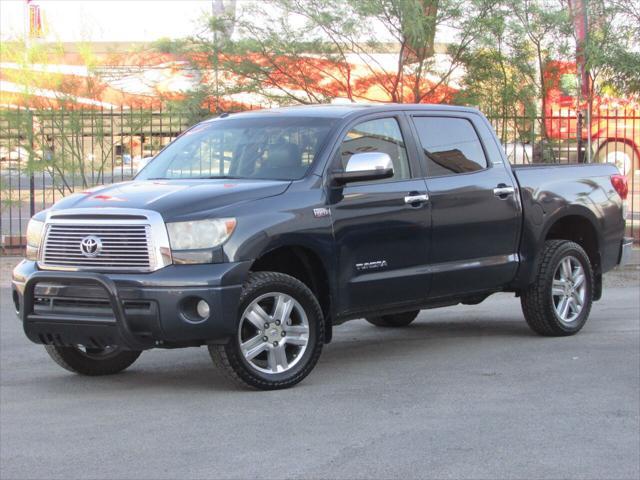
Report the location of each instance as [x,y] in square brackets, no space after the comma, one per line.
[67,330]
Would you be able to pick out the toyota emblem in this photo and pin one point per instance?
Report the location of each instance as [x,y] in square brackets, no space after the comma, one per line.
[91,246]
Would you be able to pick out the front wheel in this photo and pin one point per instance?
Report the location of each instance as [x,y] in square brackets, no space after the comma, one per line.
[92,361]
[280,334]
[559,301]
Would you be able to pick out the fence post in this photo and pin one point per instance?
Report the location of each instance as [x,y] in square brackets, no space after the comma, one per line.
[32,178]
[580,141]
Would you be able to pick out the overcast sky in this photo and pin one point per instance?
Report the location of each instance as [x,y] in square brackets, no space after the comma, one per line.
[124,20]
[106,20]
[114,20]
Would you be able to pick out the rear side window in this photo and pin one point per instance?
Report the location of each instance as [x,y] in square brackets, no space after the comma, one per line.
[381,135]
[450,146]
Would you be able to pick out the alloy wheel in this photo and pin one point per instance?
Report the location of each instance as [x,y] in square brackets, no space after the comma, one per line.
[569,289]
[273,333]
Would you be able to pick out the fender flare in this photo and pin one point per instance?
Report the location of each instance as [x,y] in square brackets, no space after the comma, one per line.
[557,216]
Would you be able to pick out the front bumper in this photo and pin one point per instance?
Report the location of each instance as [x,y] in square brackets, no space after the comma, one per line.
[626,251]
[134,311]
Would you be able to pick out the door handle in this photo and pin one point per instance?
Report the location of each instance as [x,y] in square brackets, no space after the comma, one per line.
[503,191]
[411,199]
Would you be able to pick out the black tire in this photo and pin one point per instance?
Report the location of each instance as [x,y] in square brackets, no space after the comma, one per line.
[396,320]
[538,304]
[229,358]
[92,362]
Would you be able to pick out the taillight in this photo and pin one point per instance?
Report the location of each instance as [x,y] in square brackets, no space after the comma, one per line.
[621,185]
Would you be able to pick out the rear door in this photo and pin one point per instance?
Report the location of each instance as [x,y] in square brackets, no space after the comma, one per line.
[381,235]
[475,211]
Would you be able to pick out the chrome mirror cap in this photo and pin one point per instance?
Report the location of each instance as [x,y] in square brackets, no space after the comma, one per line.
[363,167]
[366,161]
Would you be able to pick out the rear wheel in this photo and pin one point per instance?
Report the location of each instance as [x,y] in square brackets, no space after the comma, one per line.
[559,301]
[92,361]
[396,320]
[280,334]
[623,156]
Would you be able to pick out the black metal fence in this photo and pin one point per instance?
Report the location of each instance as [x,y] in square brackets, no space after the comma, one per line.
[48,154]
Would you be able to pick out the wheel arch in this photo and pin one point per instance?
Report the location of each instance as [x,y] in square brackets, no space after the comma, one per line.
[571,222]
[580,226]
[627,141]
[305,264]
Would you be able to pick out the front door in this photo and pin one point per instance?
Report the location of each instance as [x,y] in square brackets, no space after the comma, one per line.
[381,235]
[475,212]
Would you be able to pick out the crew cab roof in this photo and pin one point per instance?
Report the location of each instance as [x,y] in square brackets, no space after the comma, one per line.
[346,110]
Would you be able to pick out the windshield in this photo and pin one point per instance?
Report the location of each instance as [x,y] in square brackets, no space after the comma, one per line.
[260,148]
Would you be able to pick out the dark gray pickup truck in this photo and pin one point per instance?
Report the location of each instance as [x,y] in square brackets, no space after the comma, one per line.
[256,233]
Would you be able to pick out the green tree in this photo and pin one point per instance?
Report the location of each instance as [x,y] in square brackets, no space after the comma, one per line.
[612,49]
[498,76]
[61,137]
[311,51]
[540,33]
[509,70]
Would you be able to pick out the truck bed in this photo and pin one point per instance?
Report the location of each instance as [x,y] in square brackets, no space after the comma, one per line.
[550,192]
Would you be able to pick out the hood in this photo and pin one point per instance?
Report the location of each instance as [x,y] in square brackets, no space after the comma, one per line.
[174,198]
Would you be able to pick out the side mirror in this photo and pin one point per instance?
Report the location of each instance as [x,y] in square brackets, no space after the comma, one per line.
[365,166]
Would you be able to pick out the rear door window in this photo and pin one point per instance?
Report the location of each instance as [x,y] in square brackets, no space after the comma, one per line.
[450,146]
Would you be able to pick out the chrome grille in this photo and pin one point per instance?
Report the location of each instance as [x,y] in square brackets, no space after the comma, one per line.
[123,246]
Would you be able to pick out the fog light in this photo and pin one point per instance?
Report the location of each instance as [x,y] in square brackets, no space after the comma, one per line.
[203,309]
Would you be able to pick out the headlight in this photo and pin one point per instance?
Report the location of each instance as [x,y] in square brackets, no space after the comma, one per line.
[200,234]
[34,238]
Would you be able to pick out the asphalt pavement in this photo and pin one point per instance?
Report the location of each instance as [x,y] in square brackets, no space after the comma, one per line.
[464,392]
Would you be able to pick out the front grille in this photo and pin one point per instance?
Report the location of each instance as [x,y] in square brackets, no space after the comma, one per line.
[122,247]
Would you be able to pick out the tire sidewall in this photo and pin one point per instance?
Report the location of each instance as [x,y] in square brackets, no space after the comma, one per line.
[576,252]
[309,304]
[76,361]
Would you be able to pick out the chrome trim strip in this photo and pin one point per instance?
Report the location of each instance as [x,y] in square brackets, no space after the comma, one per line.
[434,268]
[160,251]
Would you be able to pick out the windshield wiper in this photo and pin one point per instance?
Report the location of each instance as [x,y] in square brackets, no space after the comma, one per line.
[213,177]
[222,177]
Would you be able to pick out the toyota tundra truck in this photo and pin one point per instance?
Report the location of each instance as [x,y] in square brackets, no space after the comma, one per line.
[254,234]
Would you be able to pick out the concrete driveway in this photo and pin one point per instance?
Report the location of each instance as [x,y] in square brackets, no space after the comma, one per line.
[465,392]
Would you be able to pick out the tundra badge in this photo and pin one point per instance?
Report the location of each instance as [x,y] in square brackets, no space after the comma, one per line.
[321,212]
[371,265]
